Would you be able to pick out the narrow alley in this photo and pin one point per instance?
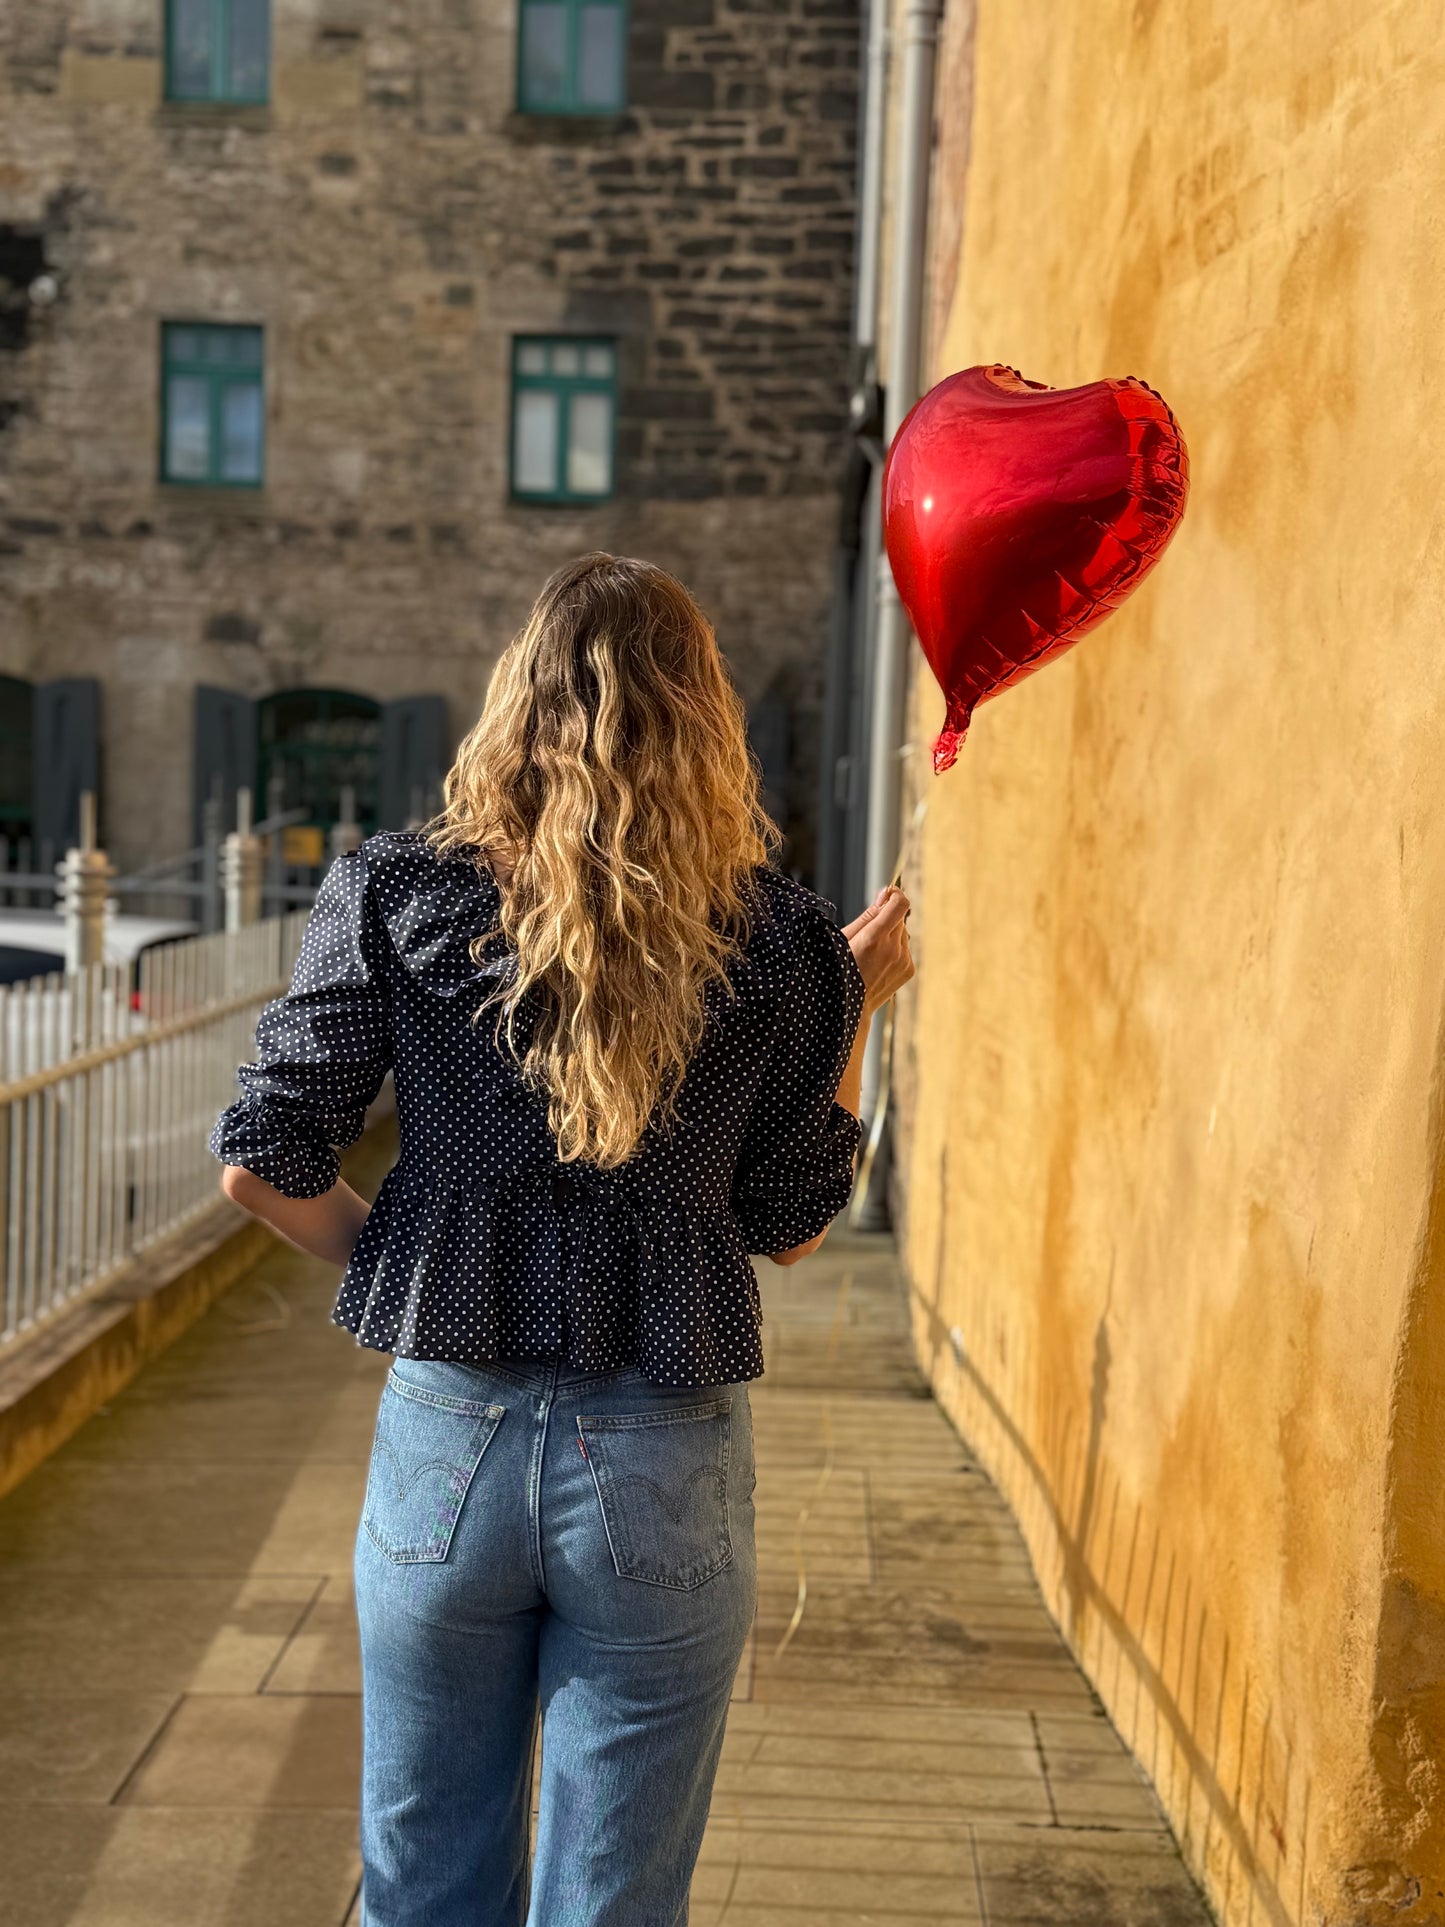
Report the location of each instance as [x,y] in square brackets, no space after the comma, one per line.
[910,1740]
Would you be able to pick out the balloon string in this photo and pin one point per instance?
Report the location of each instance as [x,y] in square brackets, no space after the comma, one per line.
[875,1129]
[826,1473]
[885,1049]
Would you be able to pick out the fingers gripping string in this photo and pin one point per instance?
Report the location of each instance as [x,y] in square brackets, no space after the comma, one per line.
[885,1047]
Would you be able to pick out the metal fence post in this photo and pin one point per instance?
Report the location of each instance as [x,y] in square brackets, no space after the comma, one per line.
[241,868]
[346,832]
[275,885]
[85,884]
[212,817]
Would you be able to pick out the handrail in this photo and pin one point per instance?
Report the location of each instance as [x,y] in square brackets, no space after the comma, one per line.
[114,1076]
[91,1060]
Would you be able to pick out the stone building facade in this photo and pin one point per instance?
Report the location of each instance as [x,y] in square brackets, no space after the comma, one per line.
[392,223]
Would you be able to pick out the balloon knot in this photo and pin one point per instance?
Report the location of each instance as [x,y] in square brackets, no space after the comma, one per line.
[945,749]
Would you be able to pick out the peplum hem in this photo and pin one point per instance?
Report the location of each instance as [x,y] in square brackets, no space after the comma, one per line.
[440,1267]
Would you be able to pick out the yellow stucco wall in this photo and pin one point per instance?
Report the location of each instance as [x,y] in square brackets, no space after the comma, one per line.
[1172,1074]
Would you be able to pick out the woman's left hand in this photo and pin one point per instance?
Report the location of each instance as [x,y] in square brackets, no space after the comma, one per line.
[879,938]
[326,1227]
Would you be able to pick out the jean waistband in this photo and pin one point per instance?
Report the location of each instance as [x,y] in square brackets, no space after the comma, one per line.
[552,1377]
[556,1371]
[535,1374]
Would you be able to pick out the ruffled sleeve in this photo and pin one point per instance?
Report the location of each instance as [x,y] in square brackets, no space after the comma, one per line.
[795,1170]
[322,1050]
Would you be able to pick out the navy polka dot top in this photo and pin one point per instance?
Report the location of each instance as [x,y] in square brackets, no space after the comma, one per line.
[482,1245]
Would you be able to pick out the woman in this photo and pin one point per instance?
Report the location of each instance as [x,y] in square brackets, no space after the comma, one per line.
[627,1053]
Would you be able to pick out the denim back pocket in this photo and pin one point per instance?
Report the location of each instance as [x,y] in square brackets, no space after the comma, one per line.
[661,1481]
[423,1458]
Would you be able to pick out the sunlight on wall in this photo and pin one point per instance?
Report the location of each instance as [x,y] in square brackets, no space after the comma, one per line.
[1169,1154]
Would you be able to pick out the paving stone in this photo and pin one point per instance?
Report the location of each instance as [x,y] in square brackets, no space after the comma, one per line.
[62,1750]
[810,1785]
[897,1725]
[914,1685]
[254,1750]
[1088,1732]
[1095,1799]
[828,1876]
[323,1654]
[299,1361]
[126,1867]
[888,1634]
[834,1900]
[250,1425]
[865,1914]
[1063,1878]
[74,1515]
[918,1523]
[1092,1784]
[100,1632]
[858,1429]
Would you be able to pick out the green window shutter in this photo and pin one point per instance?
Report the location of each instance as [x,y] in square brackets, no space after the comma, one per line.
[213,405]
[218,50]
[66,762]
[768,737]
[564,418]
[413,760]
[572,56]
[224,750]
[17,755]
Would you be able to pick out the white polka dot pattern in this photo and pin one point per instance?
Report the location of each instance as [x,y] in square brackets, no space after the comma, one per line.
[482,1245]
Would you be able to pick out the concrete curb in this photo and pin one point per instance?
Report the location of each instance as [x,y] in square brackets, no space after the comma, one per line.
[55,1380]
[58,1378]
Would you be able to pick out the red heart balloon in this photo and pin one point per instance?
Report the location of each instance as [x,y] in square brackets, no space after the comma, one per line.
[1017,516]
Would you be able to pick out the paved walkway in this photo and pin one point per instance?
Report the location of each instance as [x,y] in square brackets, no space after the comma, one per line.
[178,1672]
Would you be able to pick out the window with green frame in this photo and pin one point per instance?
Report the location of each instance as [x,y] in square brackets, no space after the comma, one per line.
[312,743]
[218,50]
[564,418]
[572,56]
[212,404]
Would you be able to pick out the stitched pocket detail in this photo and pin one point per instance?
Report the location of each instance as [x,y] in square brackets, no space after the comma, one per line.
[424,1456]
[661,1480]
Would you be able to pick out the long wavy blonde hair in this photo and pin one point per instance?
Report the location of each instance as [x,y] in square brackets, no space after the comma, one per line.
[610,773]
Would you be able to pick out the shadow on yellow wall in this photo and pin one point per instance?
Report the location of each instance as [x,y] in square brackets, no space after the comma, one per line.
[1169,1104]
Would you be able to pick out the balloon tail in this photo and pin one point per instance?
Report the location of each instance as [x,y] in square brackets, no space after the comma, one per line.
[945,749]
[863,1175]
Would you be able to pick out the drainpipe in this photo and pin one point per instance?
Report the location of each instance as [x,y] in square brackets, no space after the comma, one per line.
[890,645]
[870,190]
[840,815]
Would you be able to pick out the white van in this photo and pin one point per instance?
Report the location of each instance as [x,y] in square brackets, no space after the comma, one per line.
[32,942]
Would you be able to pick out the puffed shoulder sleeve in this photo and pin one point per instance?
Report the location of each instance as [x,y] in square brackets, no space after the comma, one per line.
[795,1171]
[322,1050]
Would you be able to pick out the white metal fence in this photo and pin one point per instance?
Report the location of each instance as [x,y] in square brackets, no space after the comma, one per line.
[110,1080]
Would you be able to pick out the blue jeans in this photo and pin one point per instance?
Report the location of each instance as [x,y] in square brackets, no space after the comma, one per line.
[534,1533]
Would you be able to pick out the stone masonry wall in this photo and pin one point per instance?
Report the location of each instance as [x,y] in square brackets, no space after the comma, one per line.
[392,221]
